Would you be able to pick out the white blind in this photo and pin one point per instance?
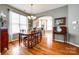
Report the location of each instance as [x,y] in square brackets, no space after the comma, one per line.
[17,22]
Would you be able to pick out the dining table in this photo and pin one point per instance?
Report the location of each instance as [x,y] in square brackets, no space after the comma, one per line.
[32,37]
[23,34]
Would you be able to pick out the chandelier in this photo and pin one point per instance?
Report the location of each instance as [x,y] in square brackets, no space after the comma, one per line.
[31,17]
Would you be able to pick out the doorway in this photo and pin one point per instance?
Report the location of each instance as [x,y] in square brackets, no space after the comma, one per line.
[46,21]
[47,24]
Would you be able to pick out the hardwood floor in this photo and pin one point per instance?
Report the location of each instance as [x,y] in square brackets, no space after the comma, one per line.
[46,47]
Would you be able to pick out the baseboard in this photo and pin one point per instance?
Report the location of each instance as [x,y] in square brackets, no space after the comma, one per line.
[73,44]
[13,40]
[59,40]
[68,43]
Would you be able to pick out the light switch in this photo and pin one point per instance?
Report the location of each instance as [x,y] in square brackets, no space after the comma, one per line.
[74,22]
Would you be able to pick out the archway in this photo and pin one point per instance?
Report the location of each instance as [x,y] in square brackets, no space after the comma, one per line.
[47,23]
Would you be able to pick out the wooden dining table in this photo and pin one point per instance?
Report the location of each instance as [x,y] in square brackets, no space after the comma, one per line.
[33,38]
[23,34]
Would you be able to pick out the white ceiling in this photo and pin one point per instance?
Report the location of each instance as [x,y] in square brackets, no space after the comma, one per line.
[36,8]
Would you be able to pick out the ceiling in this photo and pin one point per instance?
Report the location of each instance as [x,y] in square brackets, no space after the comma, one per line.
[36,8]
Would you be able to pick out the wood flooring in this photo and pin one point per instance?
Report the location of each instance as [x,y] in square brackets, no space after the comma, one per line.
[46,47]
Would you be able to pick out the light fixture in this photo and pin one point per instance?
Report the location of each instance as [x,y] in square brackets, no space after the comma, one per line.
[31,17]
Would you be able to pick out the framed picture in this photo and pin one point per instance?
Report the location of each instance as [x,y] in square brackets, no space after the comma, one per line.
[60,21]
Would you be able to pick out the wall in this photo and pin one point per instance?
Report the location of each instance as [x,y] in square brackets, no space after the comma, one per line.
[73,14]
[56,13]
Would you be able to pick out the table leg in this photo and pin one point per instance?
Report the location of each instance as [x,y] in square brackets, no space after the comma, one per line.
[65,38]
[53,37]
[19,39]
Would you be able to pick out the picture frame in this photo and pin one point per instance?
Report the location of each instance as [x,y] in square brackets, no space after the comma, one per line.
[60,21]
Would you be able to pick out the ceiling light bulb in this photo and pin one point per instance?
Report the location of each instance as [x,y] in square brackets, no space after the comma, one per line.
[28,17]
[31,17]
[34,17]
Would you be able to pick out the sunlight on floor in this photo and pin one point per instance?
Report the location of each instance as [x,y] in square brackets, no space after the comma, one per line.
[16,50]
[48,36]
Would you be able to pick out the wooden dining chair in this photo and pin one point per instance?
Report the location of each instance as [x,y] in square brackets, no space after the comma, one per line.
[39,36]
[29,40]
[25,40]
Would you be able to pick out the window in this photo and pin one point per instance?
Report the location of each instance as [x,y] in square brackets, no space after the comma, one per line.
[23,23]
[14,22]
[17,23]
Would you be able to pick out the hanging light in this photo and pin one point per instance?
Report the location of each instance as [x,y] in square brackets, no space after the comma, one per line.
[31,16]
